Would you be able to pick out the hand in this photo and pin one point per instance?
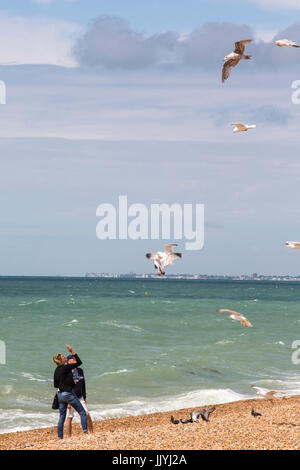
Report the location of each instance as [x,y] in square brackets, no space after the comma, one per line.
[70,349]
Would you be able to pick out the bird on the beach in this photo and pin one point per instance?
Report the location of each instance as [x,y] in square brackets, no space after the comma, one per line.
[184,421]
[265,393]
[255,413]
[206,413]
[294,245]
[286,43]
[240,127]
[237,317]
[174,421]
[195,416]
[232,59]
[164,258]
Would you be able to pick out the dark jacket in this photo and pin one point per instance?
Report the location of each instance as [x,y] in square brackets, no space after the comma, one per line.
[79,388]
[63,377]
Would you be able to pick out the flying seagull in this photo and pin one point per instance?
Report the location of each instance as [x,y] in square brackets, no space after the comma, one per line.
[232,59]
[164,258]
[285,43]
[265,393]
[240,127]
[294,245]
[236,316]
[255,413]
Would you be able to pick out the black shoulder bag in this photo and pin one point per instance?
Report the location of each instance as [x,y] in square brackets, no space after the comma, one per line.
[55,404]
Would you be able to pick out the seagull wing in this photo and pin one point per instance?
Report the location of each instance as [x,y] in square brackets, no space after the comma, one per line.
[176,255]
[264,392]
[260,389]
[240,46]
[239,125]
[295,245]
[169,248]
[226,71]
[226,310]
[271,393]
[205,413]
[169,258]
[210,410]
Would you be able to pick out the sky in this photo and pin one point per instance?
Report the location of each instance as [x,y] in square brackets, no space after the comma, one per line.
[125,98]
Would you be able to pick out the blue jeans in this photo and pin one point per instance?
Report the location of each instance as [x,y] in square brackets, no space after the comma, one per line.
[63,399]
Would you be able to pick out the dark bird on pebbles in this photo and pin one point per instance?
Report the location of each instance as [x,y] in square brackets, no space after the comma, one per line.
[174,421]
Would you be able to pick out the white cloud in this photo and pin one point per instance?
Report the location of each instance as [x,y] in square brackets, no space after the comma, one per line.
[37,40]
[111,43]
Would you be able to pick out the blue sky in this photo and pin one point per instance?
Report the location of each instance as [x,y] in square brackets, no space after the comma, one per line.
[97,106]
[160,15]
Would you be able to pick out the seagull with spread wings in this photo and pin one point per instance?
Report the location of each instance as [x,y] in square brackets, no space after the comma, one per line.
[232,59]
[240,127]
[164,258]
[293,245]
[286,43]
[265,393]
[236,316]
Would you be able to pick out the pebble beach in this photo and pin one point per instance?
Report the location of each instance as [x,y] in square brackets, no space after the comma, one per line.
[231,427]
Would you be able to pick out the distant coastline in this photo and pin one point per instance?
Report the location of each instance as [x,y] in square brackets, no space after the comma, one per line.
[203,277]
[216,277]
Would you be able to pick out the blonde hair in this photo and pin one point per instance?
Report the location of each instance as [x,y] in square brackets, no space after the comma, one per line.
[57,359]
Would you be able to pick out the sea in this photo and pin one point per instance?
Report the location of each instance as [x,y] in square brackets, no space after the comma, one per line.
[147,345]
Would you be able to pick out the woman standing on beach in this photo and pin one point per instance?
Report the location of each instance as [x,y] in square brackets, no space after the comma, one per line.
[63,381]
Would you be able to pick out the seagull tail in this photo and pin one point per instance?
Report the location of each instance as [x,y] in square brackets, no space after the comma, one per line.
[247,57]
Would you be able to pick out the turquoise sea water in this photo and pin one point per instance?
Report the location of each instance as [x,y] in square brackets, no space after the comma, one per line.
[144,353]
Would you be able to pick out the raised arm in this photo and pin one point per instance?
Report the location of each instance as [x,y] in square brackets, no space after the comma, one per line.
[78,362]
